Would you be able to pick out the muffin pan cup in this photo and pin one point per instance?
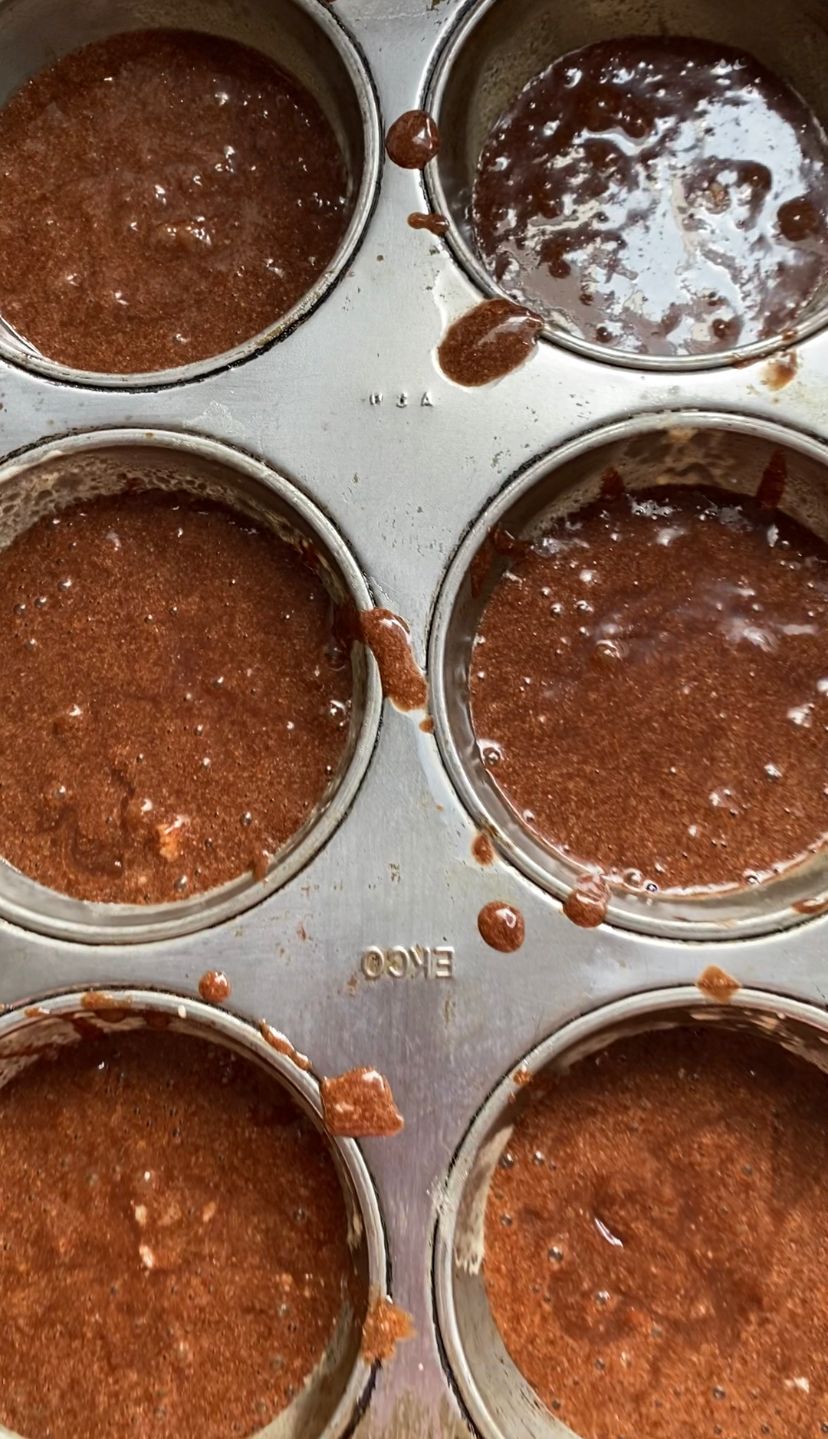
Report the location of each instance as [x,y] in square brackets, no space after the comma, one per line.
[369,954]
[47,479]
[304,38]
[495,1392]
[341,1381]
[495,50]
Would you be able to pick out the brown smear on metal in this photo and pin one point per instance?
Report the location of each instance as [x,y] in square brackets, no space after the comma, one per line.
[488,342]
[779,371]
[388,637]
[773,481]
[282,1044]
[810,906]
[499,541]
[612,485]
[717,983]
[386,1326]
[359,1104]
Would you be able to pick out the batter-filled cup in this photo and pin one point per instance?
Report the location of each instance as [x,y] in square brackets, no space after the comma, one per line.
[174,196]
[634,1232]
[631,651]
[652,186]
[184,1252]
[186,716]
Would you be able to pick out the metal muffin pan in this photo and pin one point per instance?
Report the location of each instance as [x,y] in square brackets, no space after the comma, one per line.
[370,953]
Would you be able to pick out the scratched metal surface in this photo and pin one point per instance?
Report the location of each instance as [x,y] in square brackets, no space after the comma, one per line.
[371,954]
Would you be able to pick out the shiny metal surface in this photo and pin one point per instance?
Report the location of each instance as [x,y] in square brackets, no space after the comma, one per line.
[371,953]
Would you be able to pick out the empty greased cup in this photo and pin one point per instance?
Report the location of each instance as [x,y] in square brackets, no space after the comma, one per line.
[170,1226]
[614,1333]
[622,634]
[189,260]
[116,507]
[569,212]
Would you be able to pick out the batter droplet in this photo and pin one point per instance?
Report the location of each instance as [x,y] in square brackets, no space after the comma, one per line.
[488,342]
[501,926]
[389,639]
[436,224]
[214,986]
[586,905]
[412,140]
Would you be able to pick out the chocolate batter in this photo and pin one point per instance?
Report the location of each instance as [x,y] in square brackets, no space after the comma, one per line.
[174,1243]
[214,986]
[282,1045]
[175,701]
[656,1241]
[649,688]
[412,140]
[389,639]
[586,905]
[386,1326]
[435,223]
[662,196]
[501,926]
[359,1104]
[718,984]
[488,342]
[164,196]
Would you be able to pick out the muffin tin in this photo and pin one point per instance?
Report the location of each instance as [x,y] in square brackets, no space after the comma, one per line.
[362,945]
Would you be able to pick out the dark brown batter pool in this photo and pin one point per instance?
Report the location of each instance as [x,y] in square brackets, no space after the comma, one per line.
[164,196]
[173,1244]
[661,196]
[174,699]
[649,688]
[656,1241]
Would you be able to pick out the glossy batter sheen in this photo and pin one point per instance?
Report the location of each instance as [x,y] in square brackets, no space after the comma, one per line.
[173,1250]
[164,196]
[658,196]
[175,700]
[656,1241]
[649,688]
